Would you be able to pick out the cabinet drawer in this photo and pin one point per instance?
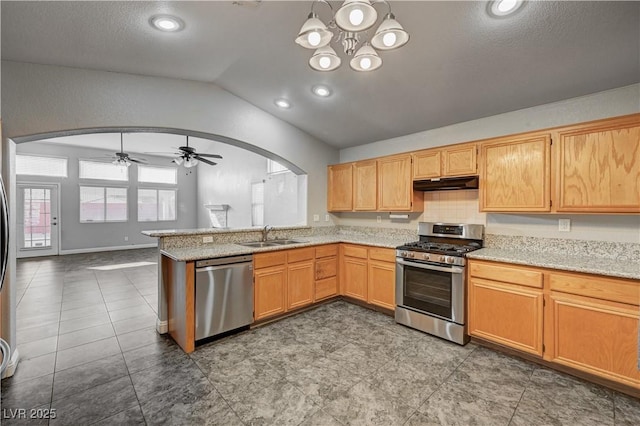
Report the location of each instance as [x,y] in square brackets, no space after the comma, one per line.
[326,288]
[326,251]
[622,291]
[298,255]
[326,268]
[509,274]
[383,254]
[265,260]
[355,251]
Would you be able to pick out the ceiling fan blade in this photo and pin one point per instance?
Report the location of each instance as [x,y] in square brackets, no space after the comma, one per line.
[205,161]
[137,160]
[209,155]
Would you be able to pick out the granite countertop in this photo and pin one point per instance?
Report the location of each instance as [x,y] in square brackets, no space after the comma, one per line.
[586,264]
[206,231]
[232,249]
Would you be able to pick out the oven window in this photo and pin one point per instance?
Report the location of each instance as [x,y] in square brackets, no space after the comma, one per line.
[428,291]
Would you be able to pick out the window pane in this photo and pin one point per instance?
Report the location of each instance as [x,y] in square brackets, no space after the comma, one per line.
[91,204]
[147,205]
[166,204]
[41,166]
[158,174]
[103,171]
[275,167]
[116,204]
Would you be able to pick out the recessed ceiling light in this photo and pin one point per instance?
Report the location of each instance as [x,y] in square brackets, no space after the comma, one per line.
[166,23]
[322,91]
[500,8]
[282,103]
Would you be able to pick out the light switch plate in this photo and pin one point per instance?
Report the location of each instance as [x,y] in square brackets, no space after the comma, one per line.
[207,239]
[564,225]
[326,218]
[379,219]
[316,218]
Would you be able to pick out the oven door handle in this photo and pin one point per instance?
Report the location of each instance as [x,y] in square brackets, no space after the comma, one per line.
[453,270]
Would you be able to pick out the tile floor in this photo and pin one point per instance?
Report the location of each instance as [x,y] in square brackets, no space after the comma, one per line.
[90,351]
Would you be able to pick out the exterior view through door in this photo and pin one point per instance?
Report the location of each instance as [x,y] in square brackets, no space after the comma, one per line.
[37,220]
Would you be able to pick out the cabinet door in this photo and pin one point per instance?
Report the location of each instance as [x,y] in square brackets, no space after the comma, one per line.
[427,164]
[515,175]
[382,284]
[596,336]
[599,168]
[507,314]
[365,185]
[395,186]
[354,277]
[300,280]
[340,187]
[269,289]
[326,288]
[459,161]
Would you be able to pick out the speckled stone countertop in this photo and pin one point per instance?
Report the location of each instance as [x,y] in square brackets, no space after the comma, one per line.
[207,231]
[587,264]
[222,250]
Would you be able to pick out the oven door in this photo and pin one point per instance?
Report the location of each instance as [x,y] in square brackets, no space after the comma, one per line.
[432,289]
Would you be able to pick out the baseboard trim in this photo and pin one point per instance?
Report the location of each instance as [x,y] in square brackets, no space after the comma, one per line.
[13,364]
[162,327]
[113,248]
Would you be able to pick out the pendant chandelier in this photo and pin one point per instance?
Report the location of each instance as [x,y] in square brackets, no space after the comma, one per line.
[351,22]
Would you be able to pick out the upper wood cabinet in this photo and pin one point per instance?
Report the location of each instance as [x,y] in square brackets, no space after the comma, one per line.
[395,187]
[340,187]
[457,160]
[598,166]
[515,174]
[365,186]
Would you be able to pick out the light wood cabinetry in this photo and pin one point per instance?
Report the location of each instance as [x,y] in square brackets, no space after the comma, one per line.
[326,274]
[354,272]
[269,292]
[506,305]
[368,274]
[589,323]
[381,284]
[340,187]
[300,277]
[456,160]
[395,188]
[598,166]
[594,325]
[515,174]
[365,190]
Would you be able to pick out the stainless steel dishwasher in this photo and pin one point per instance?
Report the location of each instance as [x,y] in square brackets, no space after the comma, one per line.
[224,295]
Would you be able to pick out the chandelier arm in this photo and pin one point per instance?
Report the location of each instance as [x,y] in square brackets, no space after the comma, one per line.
[321,1]
[382,1]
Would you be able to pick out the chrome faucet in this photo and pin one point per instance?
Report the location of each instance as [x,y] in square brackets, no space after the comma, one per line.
[265,232]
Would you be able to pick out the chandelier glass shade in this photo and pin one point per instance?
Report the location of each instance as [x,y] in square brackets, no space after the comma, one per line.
[349,26]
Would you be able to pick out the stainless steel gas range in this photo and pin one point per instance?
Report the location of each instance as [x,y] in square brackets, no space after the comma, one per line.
[431,279]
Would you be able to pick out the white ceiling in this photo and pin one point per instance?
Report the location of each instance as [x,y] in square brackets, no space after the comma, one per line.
[459,65]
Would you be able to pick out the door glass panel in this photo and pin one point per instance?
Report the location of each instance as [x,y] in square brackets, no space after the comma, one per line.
[37,218]
[428,291]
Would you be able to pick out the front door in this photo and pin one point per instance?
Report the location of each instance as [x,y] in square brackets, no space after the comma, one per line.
[37,220]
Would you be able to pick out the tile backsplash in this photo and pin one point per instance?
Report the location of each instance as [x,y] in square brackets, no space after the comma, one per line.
[458,206]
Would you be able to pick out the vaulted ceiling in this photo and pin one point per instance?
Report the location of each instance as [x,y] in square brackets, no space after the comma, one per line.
[460,64]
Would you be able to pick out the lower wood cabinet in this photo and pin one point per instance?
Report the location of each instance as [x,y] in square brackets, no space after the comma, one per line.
[326,272]
[368,274]
[588,323]
[355,277]
[300,277]
[381,284]
[269,291]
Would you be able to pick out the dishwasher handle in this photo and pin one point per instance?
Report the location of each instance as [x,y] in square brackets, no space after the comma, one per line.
[224,261]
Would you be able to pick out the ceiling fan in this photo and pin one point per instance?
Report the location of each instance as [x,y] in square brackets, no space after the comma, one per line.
[188,157]
[124,159]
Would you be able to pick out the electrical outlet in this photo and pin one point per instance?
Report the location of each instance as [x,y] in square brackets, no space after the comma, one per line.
[379,219]
[208,239]
[564,225]
[316,218]
[327,218]
[126,238]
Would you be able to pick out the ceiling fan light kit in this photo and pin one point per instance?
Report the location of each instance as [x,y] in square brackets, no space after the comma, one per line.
[123,159]
[188,157]
[351,21]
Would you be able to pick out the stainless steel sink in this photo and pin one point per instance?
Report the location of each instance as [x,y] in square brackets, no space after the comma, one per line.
[260,244]
[270,243]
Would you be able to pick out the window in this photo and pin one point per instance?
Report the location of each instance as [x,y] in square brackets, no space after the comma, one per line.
[156,205]
[168,175]
[274,167]
[41,166]
[257,204]
[103,171]
[100,204]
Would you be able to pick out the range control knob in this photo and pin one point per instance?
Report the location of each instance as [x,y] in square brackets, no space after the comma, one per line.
[449,259]
[411,254]
[403,254]
[425,256]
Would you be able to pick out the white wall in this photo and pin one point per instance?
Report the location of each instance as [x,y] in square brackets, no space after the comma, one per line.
[76,235]
[449,204]
[40,99]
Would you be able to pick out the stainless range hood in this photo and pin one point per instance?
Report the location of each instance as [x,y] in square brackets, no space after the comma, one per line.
[446,184]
